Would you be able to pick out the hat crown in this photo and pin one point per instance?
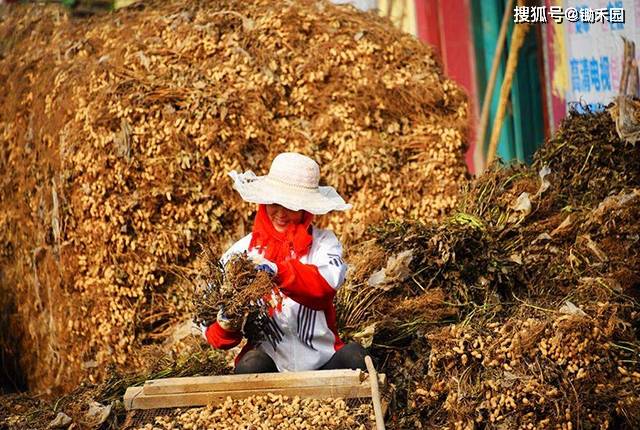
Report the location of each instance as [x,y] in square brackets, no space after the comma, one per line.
[295,169]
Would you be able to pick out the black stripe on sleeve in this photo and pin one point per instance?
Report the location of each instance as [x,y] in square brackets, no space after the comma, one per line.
[313,327]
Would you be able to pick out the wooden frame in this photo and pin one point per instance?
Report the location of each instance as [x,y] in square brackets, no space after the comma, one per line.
[206,390]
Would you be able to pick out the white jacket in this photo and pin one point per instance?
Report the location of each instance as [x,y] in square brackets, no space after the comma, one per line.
[302,338]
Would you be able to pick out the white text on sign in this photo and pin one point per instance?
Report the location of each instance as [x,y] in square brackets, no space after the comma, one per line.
[613,14]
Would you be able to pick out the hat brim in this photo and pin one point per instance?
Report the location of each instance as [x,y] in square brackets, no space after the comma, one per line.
[261,190]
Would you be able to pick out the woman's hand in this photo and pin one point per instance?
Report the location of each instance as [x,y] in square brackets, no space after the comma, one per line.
[228,324]
[262,264]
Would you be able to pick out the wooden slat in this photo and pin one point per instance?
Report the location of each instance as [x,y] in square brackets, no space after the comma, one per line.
[136,398]
[252,381]
[375,393]
[118,4]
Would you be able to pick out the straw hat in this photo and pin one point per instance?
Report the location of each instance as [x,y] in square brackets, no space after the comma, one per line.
[293,182]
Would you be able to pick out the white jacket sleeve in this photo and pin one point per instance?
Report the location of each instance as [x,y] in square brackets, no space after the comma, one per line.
[328,259]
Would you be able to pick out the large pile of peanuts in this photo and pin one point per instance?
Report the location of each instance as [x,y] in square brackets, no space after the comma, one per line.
[269,412]
[118,132]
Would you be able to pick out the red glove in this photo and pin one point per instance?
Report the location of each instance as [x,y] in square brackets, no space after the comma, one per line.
[222,339]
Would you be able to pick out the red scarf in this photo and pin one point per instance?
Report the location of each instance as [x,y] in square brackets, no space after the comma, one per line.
[278,246]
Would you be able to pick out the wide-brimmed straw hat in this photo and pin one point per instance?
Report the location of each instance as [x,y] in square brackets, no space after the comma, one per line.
[292,182]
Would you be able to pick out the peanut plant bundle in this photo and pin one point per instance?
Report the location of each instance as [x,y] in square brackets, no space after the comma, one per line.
[520,310]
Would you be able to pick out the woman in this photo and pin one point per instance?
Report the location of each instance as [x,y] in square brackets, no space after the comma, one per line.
[308,267]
